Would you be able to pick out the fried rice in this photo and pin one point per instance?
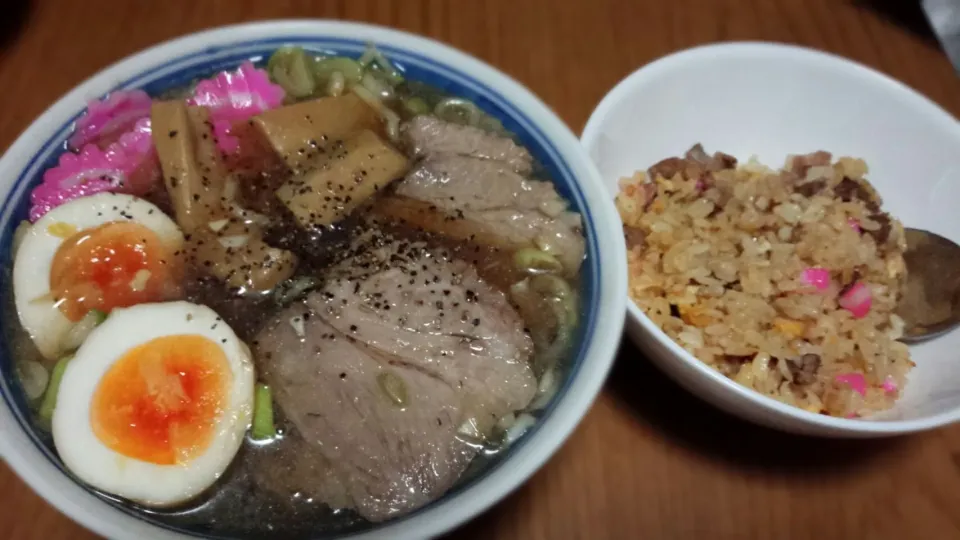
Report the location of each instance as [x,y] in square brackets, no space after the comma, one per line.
[786,280]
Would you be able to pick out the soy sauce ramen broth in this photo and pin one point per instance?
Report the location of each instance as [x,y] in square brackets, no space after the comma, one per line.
[236,505]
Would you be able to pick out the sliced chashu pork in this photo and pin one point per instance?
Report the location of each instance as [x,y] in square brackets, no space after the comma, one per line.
[486,202]
[393,370]
[429,135]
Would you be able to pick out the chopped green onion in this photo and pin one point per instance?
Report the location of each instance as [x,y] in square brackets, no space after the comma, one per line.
[535,261]
[373,60]
[551,285]
[79,332]
[98,316]
[546,389]
[566,319]
[290,67]
[391,119]
[458,110]
[491,124]
[558,288]
[561,300]
[263,427]
[281,56]
[336,84]
[351,71]
[376,86]
[394,388]
[368,55]
[521,425]
[294,289]
[49,402]
[33,378]
[416,106]
[391,75]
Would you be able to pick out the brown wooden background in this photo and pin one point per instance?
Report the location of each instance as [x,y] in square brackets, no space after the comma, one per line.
[649,461]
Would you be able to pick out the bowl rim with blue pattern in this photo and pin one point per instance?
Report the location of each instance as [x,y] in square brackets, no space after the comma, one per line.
[178,62]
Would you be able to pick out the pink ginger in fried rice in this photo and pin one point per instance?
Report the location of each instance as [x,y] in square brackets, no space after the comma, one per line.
[759,274]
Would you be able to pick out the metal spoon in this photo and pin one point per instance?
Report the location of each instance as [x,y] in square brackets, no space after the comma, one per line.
[930,305]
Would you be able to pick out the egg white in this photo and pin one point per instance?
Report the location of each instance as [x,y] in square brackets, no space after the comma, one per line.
[149,483]
[45,323]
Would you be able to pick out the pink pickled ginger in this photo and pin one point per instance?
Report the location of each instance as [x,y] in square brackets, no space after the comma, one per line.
[127,166]
[234,96]
[104,120]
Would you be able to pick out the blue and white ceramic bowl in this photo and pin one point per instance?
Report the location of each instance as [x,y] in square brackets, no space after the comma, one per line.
[178,62]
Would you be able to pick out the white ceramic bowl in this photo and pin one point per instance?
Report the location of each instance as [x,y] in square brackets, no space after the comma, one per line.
[766,100]
[177,63]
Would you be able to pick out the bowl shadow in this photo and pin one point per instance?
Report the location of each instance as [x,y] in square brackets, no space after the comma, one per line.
[907,15]
[696,426]
[16,13]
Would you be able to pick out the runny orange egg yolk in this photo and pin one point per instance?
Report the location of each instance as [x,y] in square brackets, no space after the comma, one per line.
[118,264]
[160,401]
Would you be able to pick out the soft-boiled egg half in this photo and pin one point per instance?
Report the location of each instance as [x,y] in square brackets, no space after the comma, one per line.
[155,403]
[88,256]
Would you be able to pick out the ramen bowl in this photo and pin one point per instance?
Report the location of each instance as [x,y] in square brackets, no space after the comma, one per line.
[179,62]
